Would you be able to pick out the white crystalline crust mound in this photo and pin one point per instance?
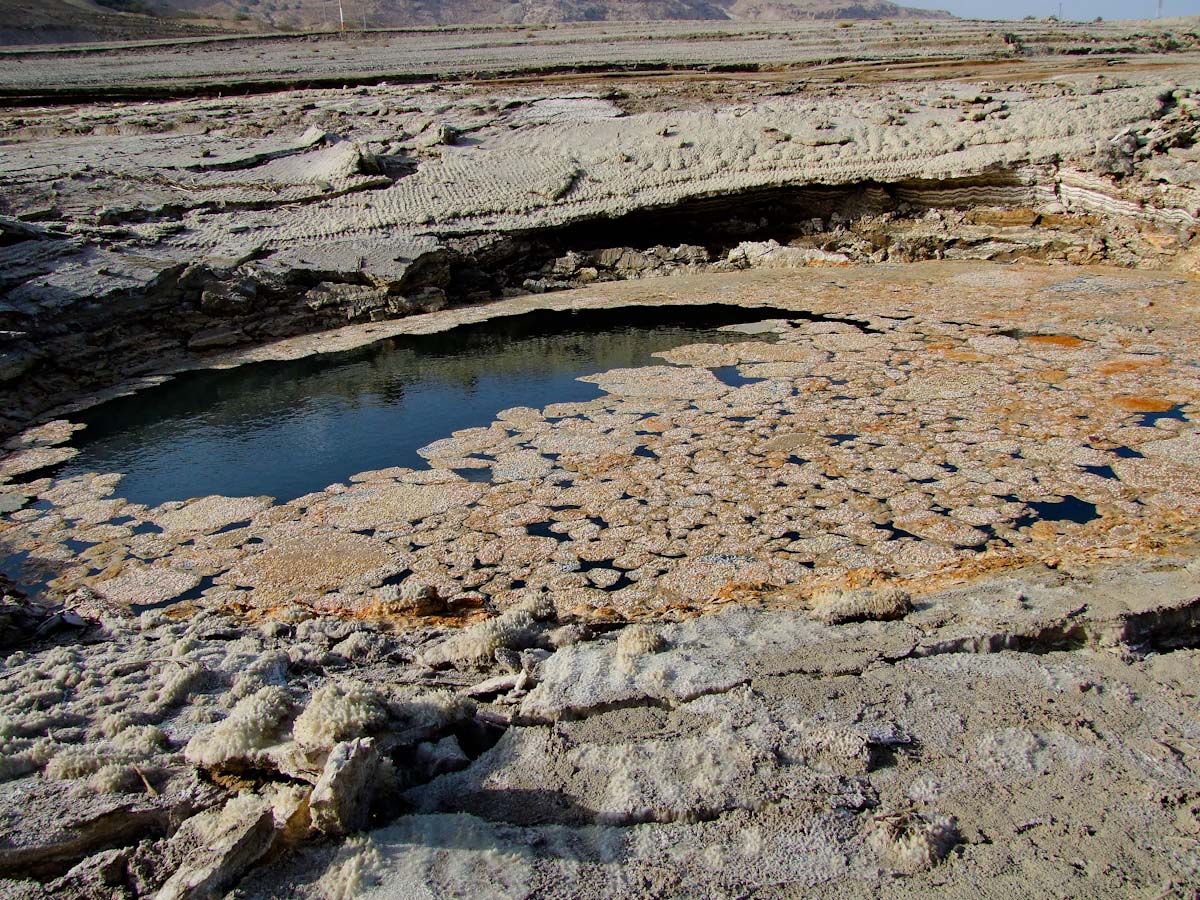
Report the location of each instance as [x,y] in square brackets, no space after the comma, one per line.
[639,639]
[834,606]
[357,867]
[337,712]
[910,844]
[513,629]
[254,724]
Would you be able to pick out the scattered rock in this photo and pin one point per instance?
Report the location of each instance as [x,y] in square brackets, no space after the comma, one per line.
[341,798]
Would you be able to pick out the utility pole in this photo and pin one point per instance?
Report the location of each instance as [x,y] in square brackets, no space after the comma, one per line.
[1159,16]
[341,16]
[364,12]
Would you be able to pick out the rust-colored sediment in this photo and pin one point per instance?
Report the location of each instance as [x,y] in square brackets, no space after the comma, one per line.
[1065,341]
[1134,403]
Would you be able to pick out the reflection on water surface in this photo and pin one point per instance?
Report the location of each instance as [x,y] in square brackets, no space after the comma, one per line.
[285,429]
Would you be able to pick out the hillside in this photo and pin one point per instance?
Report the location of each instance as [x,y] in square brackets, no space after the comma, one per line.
[63,21]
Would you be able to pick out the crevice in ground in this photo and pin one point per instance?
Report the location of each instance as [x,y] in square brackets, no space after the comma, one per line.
[190,310]
[1154,631]
[183,89]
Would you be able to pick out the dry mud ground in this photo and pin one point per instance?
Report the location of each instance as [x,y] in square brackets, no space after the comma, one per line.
[836,629]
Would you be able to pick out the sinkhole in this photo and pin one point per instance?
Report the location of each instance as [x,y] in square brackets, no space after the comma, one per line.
[285,429]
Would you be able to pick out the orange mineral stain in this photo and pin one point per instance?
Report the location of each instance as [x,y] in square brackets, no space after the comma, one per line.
[964,356]
[1142,404]
[1128,366]
[1063,341]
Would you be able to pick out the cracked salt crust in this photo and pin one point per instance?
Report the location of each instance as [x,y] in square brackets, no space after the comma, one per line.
[897,453]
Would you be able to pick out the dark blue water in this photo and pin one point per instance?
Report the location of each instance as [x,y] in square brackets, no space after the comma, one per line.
[285,429]
[1069,509]
[1175,413]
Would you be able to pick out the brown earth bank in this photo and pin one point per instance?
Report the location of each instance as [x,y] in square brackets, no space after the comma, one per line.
[908,607]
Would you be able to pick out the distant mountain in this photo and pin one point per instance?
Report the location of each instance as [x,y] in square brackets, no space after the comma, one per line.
[61,21]
[393,13]
[799,10]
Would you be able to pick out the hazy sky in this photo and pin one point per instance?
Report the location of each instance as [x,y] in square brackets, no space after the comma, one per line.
[1084,10]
